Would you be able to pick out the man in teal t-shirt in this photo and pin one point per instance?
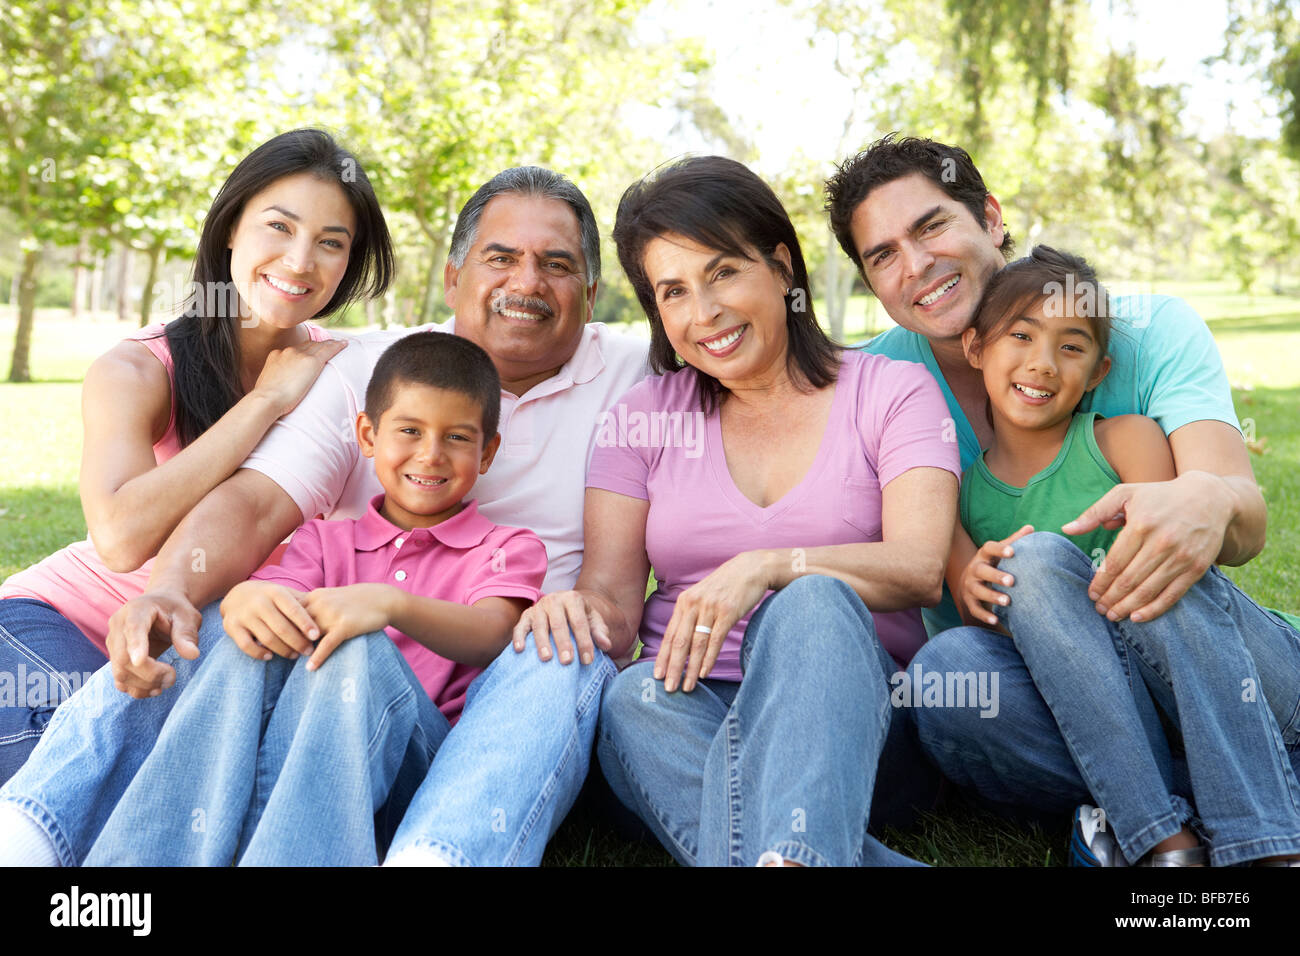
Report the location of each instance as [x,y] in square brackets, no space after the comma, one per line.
[917,220]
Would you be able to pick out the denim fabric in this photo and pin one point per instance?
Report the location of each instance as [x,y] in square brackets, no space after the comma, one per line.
[785,761]
[268,763]
[88,755]
[44,660]
[512,767]
[1077,712]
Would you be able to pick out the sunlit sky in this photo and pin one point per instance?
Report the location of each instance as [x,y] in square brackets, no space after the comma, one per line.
[767,72]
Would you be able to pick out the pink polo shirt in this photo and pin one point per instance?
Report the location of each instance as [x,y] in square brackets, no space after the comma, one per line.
[536,479]
[463,559]
[655,444]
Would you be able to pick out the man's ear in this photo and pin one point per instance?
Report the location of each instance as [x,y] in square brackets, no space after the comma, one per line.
[489,452]
[993,220]
[1098,373]
[366,434]
[450,275]
[970,349]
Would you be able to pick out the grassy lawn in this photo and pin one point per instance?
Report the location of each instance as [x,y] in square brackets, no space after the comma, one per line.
[40,445]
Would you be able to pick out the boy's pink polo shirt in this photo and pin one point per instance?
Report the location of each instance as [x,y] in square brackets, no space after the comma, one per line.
[537,478]
[463,559]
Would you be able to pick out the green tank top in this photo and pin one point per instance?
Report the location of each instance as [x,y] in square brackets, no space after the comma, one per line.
[992,510]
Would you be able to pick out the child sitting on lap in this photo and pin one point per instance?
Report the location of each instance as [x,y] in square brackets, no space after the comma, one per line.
[1040,338]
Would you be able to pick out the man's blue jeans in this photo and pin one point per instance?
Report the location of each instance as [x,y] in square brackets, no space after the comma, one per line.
[785,761]
[1077,716]
[266,763]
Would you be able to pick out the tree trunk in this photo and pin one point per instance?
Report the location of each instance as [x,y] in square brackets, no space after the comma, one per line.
[97,285]
[20,370]
[80,276]
[146,296]
[831,270]
[124,283]
[432,282]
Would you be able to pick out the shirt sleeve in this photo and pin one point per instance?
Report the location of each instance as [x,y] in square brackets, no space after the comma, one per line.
[912,425]
[512,563]
[1180,373]
[311,451]
[303,565]
[617,463]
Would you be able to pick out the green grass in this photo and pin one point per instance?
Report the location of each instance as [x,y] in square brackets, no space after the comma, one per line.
[40,445]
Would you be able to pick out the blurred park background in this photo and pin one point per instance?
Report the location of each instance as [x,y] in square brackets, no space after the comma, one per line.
[1159,139]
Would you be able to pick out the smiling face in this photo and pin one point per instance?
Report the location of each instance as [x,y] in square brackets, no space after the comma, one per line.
[289,249]
[1039,368]
[429,449]
[723,314]
[522,293]
[925,256]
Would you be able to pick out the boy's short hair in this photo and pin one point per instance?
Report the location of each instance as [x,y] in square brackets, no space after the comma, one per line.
[890,158]
[440,360]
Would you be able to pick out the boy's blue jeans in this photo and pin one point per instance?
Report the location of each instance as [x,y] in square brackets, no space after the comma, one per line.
[1077,717]
[267,763]
[792,760]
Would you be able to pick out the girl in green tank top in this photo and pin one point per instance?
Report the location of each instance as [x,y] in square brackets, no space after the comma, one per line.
[1040,337]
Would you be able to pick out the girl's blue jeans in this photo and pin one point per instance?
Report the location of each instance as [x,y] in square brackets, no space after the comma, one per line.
[44,660]
[1081,699]
[788,759]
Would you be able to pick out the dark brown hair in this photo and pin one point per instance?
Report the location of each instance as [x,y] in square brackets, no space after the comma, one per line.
[721,204]
[440,360]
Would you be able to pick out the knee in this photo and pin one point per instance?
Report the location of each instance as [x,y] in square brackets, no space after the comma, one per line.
[823,611]
[625,698]
[1048,571]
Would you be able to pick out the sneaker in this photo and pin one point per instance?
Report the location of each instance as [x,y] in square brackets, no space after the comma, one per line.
[1091,841]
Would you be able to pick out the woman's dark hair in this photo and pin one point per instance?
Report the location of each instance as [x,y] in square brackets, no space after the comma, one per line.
[719,203]
[1061,280]
[204,339]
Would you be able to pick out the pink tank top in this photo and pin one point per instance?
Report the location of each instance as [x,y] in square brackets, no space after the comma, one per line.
[75,581]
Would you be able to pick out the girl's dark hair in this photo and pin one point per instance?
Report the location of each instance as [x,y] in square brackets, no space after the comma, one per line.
[719,203]
[1045,274]
[204,339]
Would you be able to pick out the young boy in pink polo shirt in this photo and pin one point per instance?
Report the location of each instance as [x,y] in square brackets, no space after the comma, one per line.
[443,582]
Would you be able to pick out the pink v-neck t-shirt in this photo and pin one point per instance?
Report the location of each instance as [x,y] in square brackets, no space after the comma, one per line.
[655,444]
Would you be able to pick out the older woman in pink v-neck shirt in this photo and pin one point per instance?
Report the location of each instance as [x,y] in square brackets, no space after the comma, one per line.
[796,503]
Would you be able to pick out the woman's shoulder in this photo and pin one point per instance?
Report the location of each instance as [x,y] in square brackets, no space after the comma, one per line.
[869,372]
[130,363]
[666,392]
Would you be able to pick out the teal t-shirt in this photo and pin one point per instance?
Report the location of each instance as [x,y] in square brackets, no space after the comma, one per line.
[1164,364]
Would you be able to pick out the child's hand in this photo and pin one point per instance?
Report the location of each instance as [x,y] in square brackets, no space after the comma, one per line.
[343,613]
[265,618]
[976,596]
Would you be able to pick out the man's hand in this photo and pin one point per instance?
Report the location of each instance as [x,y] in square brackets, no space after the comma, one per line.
[555,617]
[1172,533]
[265,618]
[346,612]
[140,631]
[975,595]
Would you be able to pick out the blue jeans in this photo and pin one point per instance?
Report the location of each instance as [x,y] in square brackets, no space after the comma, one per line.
[267,763]
[1078,709]
[513,766]
[88,756]
[785,761]
[44,660]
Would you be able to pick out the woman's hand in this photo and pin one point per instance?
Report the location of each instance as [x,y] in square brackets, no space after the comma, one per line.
[347,612]
[263,618]
[556,617]
[975,595]
[288,374]
[703,616]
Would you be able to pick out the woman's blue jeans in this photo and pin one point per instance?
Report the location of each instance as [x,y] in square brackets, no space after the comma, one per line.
[1080,702]
[785,761]
[44,660]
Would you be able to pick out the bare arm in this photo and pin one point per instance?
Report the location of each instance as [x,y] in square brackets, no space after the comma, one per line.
[132,503]
[607,601]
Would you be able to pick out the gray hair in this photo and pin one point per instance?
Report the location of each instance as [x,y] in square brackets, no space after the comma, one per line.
[528,181]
